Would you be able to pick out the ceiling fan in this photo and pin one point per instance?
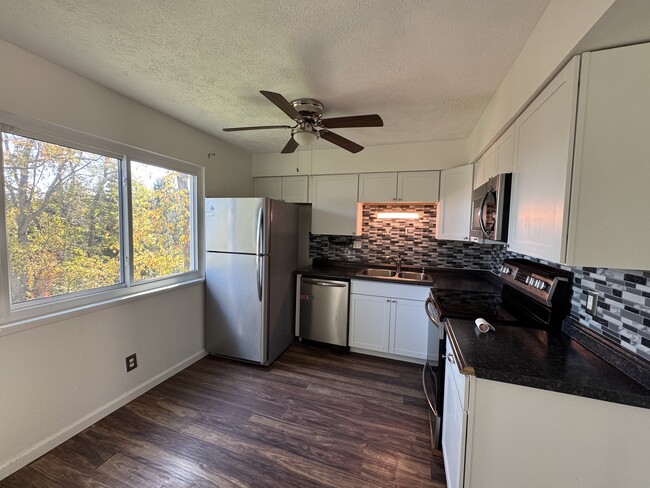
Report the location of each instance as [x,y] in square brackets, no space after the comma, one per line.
[307,112]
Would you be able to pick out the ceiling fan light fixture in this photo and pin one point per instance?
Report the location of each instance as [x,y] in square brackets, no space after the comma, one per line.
[305,137]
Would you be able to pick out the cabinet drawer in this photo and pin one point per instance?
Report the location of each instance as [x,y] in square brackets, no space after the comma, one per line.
[390,290]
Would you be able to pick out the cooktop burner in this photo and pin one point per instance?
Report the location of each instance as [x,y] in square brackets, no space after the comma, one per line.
[471,305]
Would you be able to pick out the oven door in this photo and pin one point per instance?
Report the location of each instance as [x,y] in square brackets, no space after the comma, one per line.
[433,371]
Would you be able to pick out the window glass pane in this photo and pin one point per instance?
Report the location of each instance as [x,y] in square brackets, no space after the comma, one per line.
[162,231]
[62,212]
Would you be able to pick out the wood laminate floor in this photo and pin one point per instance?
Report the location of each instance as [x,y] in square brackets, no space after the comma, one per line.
[315,418]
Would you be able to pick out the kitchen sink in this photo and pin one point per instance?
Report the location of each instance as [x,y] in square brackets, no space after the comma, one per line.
[410,275]
[377,273]
[392,275]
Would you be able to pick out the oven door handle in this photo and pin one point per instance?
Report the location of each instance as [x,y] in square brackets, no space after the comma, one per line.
[427,306]
[427,395]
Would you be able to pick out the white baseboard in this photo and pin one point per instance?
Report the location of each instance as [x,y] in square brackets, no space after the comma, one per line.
[37,450]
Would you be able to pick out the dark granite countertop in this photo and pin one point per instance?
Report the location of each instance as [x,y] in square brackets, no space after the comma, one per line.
[535,358]
[442,278]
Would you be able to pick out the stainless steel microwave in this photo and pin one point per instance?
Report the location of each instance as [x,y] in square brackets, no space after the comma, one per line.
[490,210]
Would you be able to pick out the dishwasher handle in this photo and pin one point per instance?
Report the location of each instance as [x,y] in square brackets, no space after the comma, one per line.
[336,284]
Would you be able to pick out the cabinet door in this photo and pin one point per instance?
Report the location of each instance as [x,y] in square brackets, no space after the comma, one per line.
[377,187]
[490,164]
[334,204]
[610,199]
[454,430]
[269,187]
[505,152]
[409,329]
[478,172]
[454,209]
[369,322]
[540,195]
[418,186]
[295,189]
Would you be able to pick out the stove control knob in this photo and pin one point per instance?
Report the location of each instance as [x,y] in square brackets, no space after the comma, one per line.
[537,283]
[529,280]
[542,285]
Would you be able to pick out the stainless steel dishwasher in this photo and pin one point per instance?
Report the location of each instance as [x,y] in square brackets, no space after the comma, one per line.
[324,310]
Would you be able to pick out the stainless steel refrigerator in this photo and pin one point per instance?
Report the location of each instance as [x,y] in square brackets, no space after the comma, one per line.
[251,256]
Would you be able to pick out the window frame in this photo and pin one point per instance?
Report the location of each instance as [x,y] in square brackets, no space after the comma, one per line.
[45,308]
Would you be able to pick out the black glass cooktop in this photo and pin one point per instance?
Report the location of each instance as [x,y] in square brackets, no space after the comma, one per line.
[471,305]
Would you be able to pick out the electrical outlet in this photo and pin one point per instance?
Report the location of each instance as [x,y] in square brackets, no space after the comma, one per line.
[356,244]
[592,302]
[131,362]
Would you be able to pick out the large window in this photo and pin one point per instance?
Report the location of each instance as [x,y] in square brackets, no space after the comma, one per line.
[62,218]
[162,233]
[72,231]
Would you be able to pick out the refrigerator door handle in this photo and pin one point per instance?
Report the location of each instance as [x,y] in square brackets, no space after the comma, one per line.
[260,274]
[260,231]
[258,250]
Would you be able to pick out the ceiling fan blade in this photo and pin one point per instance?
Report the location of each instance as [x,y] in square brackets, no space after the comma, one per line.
[259,127]
[282,103]
[290,146]
[340,141]
[370,120]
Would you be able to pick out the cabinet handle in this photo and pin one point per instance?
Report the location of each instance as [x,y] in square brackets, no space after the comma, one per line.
[450,358]
[388,300]
[394,301]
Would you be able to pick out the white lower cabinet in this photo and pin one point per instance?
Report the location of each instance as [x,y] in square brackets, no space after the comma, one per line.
[502,435]
[454,431]
[388,319]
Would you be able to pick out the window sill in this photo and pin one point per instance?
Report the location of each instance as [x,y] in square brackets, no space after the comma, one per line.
[48,318]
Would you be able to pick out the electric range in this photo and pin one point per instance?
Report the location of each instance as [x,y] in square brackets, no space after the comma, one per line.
[528,294]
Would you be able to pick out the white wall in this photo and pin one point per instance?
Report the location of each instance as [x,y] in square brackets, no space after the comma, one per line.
[389,157]
[552,42]
[61,376]
[34,87]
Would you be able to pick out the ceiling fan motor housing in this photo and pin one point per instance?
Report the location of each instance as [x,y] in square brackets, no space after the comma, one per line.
[308,108]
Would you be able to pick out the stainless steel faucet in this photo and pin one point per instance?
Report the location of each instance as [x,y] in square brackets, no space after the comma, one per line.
[397,260]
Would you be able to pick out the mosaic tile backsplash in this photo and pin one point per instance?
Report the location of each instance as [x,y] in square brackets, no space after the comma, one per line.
[623,314]
[414,240]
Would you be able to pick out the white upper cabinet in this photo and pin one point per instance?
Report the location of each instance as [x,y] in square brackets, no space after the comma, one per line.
[377,187]
[334,204]
[269,187]
[412,186]
[542,173]
[295,189]
[505,152]
[418,186]
[292,189]
[581,175]
[609,225]
[454,209]
[499,158]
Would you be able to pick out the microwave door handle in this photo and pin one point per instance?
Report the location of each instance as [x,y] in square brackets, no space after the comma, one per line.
[486,232]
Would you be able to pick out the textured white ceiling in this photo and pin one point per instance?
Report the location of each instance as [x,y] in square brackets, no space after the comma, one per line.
[428,67]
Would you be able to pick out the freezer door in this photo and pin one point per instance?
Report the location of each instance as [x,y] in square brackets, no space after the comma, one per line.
[235,225]
[234,313]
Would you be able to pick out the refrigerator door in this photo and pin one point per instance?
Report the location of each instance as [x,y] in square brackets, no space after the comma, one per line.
[235,314]
[236,225]
[282,234]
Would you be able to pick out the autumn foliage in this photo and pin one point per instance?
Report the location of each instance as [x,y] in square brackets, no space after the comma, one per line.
[63,219]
